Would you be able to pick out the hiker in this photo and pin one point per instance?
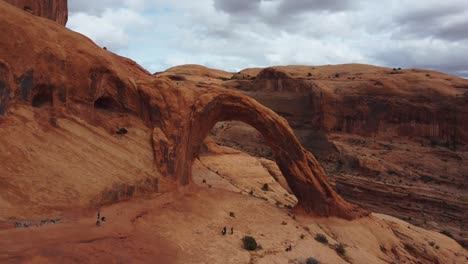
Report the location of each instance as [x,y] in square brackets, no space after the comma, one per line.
[98,214]
[232,230]
[224,231]
[98,223]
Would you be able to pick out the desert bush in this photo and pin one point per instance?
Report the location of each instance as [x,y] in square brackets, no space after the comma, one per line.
[249,243]
[447,233]
[309,74]
[265,187]
[321,238]
[302,236]
[340,249]
[311,261]
[232,214]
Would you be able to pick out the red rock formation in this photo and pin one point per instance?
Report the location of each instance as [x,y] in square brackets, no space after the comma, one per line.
[381,135]
[56,10]
[78,78]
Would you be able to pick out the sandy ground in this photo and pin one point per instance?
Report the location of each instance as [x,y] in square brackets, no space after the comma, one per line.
[186,228]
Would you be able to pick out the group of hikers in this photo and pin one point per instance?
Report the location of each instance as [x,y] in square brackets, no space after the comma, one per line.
[225,231]
[100,219]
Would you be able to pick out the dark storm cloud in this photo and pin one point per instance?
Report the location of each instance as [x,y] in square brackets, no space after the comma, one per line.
[300,6]
[454,32]
[237,6]
[447,22]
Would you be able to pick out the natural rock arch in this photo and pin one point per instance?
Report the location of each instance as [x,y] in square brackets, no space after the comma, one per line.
[304,174]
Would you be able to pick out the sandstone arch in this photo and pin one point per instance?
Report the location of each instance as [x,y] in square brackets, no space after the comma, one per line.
[302,171]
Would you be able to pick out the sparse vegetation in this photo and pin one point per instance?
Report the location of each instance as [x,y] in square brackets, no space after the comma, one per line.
[426,179]
[232,214]
[447,233]
[278,203]
[302,236]
[312,261]
[431,243]
[251,192]
[340,249]
[249,243]
[265,187]
[288,206]
[284,223]
[309,74]
[321,238]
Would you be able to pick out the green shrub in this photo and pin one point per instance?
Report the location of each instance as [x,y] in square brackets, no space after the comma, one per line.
[340,249]
[321,238]
[312,261]
[249,243]
[447,233]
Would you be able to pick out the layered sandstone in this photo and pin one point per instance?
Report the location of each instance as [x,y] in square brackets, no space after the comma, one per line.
[56,10]
[382,134]
[86,82]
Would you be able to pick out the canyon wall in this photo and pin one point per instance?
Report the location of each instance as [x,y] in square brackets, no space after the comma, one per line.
[56,10]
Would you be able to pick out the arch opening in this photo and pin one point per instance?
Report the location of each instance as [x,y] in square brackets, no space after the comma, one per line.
[43,97]
[106,103]
[304,175]
[232,157]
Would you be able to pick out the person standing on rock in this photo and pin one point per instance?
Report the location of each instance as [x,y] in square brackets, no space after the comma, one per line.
[232,230]
[224,231]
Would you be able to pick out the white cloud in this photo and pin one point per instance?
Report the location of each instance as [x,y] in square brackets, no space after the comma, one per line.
[220,33]
[112,28]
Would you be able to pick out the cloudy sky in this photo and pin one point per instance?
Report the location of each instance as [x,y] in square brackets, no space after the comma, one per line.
[237,34]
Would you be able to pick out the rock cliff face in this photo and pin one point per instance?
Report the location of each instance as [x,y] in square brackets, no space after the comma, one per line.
[56,10]
[83,80]
[381,134]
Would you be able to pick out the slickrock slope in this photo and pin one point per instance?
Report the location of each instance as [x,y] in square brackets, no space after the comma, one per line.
[59,74]
[82,128]
[56,10]
[394,141]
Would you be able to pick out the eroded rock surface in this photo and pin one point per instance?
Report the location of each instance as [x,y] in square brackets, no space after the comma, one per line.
[383,135]
[76,78]
[56,10]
